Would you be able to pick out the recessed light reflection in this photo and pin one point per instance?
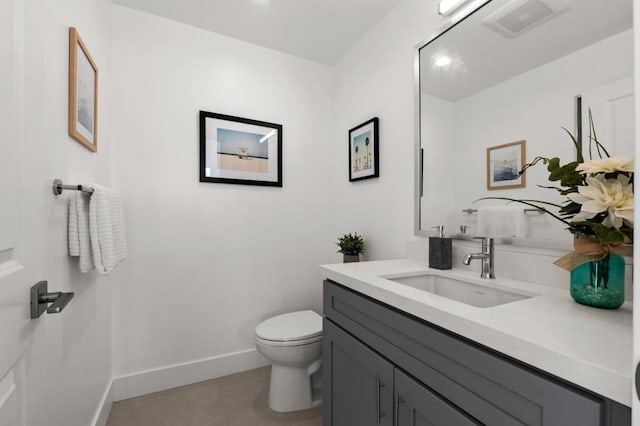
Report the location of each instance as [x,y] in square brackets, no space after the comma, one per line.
[442,61]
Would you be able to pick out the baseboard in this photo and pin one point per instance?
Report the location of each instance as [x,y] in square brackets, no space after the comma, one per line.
[104,408]
[159,379]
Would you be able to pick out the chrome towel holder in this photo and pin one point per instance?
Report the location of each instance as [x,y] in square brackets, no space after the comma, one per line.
[59,187]
[469,211]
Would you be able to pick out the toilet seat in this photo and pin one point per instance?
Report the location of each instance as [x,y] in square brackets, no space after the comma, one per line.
[289,342]
[292,329]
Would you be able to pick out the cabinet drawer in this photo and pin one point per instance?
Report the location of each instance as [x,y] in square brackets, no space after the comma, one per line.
[491,388]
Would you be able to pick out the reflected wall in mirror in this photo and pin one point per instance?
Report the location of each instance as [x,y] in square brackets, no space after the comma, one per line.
[519,70]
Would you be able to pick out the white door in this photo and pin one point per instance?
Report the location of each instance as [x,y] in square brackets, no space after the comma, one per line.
[613,115]
[15,325]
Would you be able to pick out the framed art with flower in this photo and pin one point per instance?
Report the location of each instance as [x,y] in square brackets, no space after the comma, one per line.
[363,151]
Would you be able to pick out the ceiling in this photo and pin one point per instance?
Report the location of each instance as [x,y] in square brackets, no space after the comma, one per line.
[319,30]
[482,57]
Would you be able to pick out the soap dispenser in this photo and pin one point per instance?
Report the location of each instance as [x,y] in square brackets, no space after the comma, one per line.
[440,250]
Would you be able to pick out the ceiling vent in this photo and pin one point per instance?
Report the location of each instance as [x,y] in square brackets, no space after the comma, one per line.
[520,15]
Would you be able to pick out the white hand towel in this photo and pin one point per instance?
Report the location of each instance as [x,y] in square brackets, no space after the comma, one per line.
[502,221]
[106,227]
[79,241]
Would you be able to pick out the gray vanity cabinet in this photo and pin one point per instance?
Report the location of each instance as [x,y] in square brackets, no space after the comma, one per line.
[366,389]
[385,367]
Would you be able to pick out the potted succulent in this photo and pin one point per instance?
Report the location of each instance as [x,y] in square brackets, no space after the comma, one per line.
[350,246]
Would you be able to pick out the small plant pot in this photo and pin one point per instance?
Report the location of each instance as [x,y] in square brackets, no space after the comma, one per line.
[348,258]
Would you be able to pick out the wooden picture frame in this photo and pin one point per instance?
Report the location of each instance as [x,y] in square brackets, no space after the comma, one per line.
[83,93]
[364,144]
[240,150]
[504,163]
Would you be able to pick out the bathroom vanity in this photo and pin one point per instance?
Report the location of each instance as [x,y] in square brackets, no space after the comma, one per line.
[396,354]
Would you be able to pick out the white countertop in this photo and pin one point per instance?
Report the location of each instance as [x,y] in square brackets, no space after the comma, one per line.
[586,346]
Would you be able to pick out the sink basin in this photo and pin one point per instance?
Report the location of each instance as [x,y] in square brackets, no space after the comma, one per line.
[462,291]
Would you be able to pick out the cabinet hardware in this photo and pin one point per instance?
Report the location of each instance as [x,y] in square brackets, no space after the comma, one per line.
[379,414]
[396,408]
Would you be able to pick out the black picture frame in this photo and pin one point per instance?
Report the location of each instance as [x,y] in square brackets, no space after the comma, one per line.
[256,162]
[364,163]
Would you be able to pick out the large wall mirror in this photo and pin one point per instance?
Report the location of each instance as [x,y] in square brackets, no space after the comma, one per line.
[518,70]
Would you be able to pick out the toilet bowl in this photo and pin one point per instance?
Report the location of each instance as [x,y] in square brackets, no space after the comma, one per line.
[293,344]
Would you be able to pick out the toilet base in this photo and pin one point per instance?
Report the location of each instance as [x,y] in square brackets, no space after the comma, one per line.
[291,389]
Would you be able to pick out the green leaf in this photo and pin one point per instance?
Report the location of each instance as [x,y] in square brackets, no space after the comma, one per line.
[628,232]
[555,175]
[570,209]
[594,138]
[576,144]
[554,164]
[605,234]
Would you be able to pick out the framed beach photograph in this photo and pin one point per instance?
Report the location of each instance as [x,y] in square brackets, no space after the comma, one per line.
[240,150]
[83,93]
[504,163]
[363,151]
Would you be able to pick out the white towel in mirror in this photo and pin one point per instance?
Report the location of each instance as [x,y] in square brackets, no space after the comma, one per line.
[502,221]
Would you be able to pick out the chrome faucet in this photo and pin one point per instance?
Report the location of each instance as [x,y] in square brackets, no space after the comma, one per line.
[486,256]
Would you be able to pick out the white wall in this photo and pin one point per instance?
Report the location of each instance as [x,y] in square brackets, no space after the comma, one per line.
[69,359]
[207,262]
[376,78]
[437,131]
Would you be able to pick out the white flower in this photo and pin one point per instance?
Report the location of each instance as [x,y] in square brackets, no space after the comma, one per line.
[607,165]
[614,196]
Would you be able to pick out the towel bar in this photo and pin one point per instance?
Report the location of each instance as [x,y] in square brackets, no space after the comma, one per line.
[469,211]
[58,187]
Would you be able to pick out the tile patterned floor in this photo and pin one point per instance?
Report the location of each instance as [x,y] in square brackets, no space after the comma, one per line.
[236,400]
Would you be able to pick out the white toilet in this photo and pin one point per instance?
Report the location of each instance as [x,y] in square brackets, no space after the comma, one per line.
[293,343]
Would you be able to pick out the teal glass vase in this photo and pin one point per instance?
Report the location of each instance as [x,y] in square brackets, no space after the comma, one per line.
[599,283]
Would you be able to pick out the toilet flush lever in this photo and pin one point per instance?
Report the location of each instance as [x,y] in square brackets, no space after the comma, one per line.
[40,299]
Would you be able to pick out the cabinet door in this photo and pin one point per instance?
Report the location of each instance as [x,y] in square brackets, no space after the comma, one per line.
[358,383]
[416,405]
